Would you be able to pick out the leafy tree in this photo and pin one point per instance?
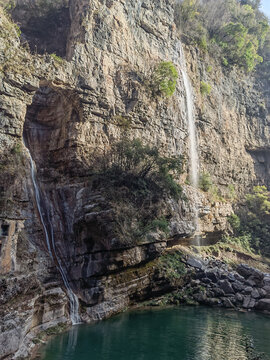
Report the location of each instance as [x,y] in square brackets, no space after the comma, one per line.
[164,78]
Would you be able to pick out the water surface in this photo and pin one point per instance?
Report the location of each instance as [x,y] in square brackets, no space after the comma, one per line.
[180,333]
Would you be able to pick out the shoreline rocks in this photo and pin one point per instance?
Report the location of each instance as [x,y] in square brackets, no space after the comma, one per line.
[215,283]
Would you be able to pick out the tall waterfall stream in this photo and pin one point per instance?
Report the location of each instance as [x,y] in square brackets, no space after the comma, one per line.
[50,242]
[193,145]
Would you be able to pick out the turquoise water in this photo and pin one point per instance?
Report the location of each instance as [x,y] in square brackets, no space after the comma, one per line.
[182,333]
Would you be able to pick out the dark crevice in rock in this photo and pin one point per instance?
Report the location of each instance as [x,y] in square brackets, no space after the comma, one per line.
[48,123]
[261,159]
[45,26]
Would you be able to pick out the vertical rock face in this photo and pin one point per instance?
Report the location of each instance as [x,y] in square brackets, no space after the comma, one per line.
[68,109]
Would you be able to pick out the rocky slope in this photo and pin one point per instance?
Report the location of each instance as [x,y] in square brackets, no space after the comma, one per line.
[69,108]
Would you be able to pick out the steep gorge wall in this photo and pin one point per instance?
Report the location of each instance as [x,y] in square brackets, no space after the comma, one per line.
[67,109]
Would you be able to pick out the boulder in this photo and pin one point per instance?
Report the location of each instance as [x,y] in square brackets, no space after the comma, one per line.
[255,294]
[195,262]
[226,286]
[263,304]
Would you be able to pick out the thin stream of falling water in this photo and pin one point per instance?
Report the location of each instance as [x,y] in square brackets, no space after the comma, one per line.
[193,146]
[74,303]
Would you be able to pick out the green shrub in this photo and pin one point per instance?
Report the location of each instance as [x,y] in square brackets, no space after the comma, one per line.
[205,182]
[231,192]
[234,221]
[136,180]
[171,265]
[161,224]
[254,227]
[140,167]
[205,88]
[164,79]
[57,58]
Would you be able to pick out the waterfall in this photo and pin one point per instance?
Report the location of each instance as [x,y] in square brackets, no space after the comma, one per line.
[50,241]
[193,146]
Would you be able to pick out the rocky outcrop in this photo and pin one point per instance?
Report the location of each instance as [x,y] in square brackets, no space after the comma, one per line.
[214,283]
[67,109]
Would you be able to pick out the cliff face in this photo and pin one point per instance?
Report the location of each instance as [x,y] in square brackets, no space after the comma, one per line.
[67,109]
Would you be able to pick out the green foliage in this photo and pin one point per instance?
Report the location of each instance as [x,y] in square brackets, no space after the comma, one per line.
[253,231]
[164,79]
[235,31]
[160,224]
[205,88]
[231,192]
[57,58]
[8,5]
[17,149]
[205,182]
[137,180]
[234,221]
[141,168]
[259,201]
[172,266]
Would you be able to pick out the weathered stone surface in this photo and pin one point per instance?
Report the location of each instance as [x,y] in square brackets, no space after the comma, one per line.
[264,305]
[226,286]
[70,109]
[196,263]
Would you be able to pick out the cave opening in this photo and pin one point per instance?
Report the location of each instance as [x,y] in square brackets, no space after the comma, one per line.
[44,25]
[49,128]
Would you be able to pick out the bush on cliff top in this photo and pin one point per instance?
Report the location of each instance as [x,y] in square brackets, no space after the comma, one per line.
[233,30]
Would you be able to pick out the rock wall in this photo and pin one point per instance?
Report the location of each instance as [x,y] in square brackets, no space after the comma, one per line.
[66,109]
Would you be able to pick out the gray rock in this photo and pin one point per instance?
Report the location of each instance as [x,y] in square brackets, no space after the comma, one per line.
[255,294]
[227,303]
[266,281]
[239,297]
[195,262]
[239,277]
[226,286]
[266,289]
[247,290]
[246,302]
[262,293]
[238,286]
[218,292]
[250,282]
[206,280]
[263,304]
[212,275]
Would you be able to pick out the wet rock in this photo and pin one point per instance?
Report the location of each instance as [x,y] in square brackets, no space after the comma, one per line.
[227,303]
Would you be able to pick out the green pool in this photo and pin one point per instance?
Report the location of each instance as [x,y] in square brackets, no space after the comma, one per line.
[182,333]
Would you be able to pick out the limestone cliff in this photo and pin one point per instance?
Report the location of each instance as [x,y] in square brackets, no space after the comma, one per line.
[69,107]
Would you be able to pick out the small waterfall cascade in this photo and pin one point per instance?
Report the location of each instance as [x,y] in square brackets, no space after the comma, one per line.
[193,146]
[50,242]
